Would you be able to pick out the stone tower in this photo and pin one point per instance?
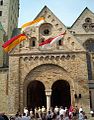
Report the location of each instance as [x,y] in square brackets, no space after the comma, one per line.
[9,13]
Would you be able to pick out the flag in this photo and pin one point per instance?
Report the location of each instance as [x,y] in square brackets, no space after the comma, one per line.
[46,42]
[56,39]
[26,27]
[13,42]
[53,40]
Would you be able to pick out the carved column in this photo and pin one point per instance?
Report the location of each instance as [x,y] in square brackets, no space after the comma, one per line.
[72,97]
[48,93]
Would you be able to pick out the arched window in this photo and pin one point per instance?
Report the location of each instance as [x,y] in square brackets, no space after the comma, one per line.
[60,42]
[88,20]
[89,45]
[45,29]
[32,42]
[1,2]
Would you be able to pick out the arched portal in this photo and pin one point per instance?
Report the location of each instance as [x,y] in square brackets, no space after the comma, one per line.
[36,94]
[61,94]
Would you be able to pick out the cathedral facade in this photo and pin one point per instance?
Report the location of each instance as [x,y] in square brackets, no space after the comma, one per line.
[61,75]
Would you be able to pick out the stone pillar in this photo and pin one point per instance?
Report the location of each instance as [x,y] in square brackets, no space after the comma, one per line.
[72,97]
[13,85]
[48,93]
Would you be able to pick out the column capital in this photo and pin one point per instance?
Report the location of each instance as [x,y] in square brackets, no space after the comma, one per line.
[72,90]
[48,92]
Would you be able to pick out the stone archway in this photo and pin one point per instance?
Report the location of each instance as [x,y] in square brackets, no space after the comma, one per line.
[36,94]
[61,95]
[46,74]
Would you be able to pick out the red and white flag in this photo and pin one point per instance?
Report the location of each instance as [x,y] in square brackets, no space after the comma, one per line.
[52,41]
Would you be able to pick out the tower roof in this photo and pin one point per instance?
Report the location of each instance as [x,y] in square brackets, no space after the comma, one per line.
[85,10]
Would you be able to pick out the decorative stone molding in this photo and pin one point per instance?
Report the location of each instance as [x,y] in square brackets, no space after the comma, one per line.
[60,29]
[53,20]
[73,57]
[62,57]
[49,57]
[57,58]
[36,58]
[88,25]
[46,29]
[41,57]
[49,16]
[68,57]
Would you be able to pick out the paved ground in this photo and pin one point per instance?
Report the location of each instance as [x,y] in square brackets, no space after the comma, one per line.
[90,117]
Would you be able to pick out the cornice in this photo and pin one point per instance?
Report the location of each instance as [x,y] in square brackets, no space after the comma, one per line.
[47,53]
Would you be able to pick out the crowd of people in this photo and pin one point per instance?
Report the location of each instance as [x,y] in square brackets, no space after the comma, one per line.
[73,113]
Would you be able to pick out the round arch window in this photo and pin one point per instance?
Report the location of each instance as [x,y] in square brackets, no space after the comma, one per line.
[92,27]
[32,42]
[88,20]
[89,45]
[46,29]
[86,27]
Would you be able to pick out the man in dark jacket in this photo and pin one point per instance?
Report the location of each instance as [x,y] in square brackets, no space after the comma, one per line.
[1,118]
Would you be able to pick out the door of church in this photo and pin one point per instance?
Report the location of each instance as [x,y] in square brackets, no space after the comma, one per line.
[36,95]
[61,94]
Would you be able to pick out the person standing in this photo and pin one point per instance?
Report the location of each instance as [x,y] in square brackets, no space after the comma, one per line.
[81,116]
[80,109]
[26,111]
[1,118]
[24,117]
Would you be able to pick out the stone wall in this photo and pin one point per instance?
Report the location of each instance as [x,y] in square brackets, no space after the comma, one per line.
[47,68]
[4,90]
[1,49]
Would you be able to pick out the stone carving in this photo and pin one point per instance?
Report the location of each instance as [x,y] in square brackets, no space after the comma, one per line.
[88,25]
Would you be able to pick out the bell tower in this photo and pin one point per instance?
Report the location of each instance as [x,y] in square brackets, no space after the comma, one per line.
[9,13]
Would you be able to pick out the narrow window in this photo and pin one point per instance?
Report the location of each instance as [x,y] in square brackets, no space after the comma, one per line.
[33,43]
[1,2]
[60,42]
[0,13]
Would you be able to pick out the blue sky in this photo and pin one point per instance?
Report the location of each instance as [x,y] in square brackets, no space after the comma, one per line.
[66,10]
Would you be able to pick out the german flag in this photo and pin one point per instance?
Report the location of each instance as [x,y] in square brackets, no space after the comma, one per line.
[13,42]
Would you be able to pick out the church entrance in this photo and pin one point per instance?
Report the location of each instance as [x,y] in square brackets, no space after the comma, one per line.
[36,95]
[61,94]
